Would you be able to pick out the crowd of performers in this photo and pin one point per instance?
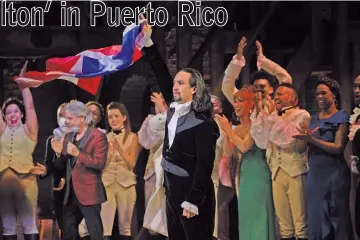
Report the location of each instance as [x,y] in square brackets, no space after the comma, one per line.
[287,168]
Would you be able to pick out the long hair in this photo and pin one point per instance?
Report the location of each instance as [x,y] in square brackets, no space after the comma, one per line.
[123,110]
[202,96]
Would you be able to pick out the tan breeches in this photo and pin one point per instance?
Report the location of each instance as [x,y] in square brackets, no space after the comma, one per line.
[289,202]
[119,199]
[149,188]
[18,197]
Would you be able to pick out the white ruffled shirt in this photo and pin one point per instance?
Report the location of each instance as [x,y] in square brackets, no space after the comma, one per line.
[267,128]
[180,110]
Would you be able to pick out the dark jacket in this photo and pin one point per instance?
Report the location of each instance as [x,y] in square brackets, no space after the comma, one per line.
[189,162]
[85,173]
[50,156]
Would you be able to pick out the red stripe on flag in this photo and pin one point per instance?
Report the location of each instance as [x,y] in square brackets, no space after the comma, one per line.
[61,64]
[35,79]
[136,55]
[90,84]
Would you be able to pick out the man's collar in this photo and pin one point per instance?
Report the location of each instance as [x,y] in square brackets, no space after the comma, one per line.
[178,105]
[283,110]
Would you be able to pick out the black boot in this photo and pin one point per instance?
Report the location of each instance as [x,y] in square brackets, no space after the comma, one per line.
[125,237]
[159,237]
[31,236]
[11,237]
[107,238]
[85,238]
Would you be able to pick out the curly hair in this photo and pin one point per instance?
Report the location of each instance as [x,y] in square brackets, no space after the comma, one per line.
[332,84]
[98,105]
[273,82]
[17,102]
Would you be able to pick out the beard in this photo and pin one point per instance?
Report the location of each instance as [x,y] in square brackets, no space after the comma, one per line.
[62,130]
[177,98]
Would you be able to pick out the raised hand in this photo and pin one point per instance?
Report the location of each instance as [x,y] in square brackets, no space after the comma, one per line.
[22,73]
[240,48]
[145,30]
[23,69]
[259,51]
[159,102]
[260,54]
[259,104]
[269,104]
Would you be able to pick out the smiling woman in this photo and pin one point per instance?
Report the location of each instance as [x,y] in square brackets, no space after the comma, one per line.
[118,176]
[328,181]
[18,138]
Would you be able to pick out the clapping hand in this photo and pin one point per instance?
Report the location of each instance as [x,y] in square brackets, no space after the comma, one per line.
[57,146]
[38,169]
[305,133]
[72,150]
[115,146]
[224,124]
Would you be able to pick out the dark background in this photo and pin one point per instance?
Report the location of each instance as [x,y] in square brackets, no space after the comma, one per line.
[306,38]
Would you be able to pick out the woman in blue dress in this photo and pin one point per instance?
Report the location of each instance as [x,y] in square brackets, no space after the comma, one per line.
[328,181]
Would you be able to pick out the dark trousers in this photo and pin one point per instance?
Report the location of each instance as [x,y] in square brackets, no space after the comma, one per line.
[58,207]
[74,212]
[200,227]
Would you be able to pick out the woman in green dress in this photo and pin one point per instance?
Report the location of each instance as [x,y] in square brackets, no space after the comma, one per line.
[255,204]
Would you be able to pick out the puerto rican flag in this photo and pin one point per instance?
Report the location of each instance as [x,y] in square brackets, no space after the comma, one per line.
[86,69]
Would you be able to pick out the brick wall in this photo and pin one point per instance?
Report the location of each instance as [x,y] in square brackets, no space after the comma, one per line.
[11,69]
[198,36]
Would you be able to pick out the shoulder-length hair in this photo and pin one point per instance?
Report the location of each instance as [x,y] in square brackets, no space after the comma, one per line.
[202,96]
[123,110]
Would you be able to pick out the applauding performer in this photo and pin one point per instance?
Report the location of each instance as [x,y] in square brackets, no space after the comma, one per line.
[83,155]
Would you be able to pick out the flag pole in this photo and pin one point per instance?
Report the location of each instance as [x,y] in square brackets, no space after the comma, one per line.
[97,96]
